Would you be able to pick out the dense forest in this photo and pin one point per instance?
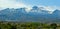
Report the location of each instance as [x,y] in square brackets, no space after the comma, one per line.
[28,25]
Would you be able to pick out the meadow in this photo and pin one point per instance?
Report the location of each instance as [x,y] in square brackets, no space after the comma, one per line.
[28,25]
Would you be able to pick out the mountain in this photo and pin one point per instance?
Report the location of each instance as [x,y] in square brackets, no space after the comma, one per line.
[36,14]
[37,10]
[56,15]
[9,14]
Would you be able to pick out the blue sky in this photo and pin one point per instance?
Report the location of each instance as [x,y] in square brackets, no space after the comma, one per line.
[47,4]
[41,2]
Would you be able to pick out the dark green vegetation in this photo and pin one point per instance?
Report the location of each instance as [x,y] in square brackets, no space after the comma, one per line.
[28,25]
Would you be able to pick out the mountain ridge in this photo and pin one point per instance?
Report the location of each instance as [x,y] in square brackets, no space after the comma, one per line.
[34,16]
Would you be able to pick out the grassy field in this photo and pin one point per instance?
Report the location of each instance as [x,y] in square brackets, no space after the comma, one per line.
[28,25]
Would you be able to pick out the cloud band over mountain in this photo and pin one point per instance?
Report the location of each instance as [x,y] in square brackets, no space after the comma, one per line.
[18,4]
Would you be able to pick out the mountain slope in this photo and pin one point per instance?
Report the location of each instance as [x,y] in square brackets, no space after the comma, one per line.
[37,15]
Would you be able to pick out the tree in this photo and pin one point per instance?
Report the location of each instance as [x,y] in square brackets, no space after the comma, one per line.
[13,27]
[54,25]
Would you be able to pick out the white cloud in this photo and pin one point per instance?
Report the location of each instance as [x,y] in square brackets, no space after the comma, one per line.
[49,8]
[8,3]
[14,4]
[11,4]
